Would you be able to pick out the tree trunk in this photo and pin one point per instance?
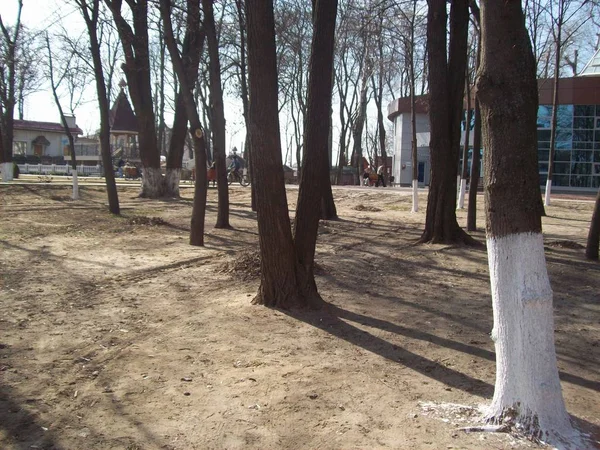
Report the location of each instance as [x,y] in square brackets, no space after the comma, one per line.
[446,85]
[342,156]
[63,119]
[161,104]
[200,187]
[244,94]
[176,148]
[593,240]
[464,173]
[218,115]
[314,181]
[475,168]
[90,15]
[358,127]
[198,135]
[8,96]
[279,285]
[137,71]
[554,115]
[413,124]
[190,58]
[527,393]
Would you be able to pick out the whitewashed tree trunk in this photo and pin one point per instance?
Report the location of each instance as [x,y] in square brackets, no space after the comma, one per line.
[172,178]
[527,385]
[547,193]
[152,183]
[461,193]
[415,196]
[7,171]
[75,184]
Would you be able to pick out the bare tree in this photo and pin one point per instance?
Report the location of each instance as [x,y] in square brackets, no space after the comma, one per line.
[217,114]
[561,13]
[90,11]
[134,41]
[527,393]
[315,173]
[72,76]
[8,65]
[191,50]
[446,88]
[193,25]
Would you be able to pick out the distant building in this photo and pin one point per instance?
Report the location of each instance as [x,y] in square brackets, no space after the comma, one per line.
[42,141]
[577,150]
[123,128]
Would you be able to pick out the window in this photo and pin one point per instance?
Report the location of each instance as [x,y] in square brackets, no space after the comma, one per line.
[586,123]
[581,168]
[562,155]
[560,180]
[562,167]
[585,110]
[581,181]
[19,148]
[582,156]
[565,116]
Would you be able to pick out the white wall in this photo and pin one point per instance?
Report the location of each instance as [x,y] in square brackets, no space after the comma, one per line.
[403,147]
[56,141]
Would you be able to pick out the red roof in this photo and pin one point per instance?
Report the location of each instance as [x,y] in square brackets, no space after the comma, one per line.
[43,126]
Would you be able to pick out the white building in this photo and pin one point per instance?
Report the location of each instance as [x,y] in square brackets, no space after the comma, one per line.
[45,140]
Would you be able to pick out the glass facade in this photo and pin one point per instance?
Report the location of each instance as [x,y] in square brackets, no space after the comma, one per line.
[577,149]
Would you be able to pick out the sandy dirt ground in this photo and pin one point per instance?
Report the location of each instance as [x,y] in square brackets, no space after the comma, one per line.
[116,334]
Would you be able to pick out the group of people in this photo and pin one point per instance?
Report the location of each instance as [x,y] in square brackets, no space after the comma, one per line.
[124,169]
[380,178]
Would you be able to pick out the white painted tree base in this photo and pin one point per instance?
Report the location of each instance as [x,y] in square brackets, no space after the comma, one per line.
[415,196]
[527,391]
[547,193]
[172,178]
[461,194]
[152,183]
[7,171]
[75,184]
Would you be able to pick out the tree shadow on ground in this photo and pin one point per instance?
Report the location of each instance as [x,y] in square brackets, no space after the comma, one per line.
[330,320]
[22,427]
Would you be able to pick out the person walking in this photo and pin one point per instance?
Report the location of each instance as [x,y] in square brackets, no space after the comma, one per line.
[380,178]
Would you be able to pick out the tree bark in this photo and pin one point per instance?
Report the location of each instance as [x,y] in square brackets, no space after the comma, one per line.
[593,240]
[446,86]
[279,284]
[198,135]
[190,57]
[244,94]
[554,119]
[89,11]
[527,392]
[137,71]
[8,96]
[475,169]
[464,173]
[358,126]
[179,132]
[218,115]
[63,119]
[315,172]
[413,116]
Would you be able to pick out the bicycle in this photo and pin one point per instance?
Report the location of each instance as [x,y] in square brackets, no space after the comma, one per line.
[233,175]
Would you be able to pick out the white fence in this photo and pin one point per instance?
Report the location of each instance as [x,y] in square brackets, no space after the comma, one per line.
[55,169]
